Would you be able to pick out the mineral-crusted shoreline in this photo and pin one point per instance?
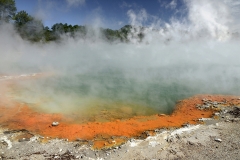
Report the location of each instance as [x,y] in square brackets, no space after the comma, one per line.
[218,137]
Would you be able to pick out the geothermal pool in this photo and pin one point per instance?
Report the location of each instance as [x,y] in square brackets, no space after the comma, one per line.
[103,82]
[93,86]
[98,97]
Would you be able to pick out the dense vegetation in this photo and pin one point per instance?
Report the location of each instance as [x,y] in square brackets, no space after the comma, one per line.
[32,29]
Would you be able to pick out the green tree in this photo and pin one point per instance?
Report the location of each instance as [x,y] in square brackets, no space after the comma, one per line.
[7,10]
[111,35]
[49,35]
[58,28]
[34,30]
[29,27]
[21,18]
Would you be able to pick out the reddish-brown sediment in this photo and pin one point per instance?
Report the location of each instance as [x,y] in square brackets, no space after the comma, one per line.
[20,116]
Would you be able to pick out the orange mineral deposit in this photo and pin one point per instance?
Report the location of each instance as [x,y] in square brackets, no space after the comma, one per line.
[21,116]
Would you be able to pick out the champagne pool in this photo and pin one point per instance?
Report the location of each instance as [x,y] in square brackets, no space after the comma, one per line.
[122,88]
[101,97]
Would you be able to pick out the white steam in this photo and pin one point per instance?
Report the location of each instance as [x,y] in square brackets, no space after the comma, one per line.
[199,54]
[74,3]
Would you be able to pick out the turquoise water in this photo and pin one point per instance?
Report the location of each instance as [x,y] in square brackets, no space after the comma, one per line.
[116,93]
[107,90]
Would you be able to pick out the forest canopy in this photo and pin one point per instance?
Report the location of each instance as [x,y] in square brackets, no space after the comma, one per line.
[32,29]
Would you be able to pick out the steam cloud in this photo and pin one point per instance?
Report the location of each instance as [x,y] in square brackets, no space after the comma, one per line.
[75,2]
[199,54]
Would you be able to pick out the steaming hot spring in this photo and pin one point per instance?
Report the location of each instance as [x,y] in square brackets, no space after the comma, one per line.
[115,92]
[94,89]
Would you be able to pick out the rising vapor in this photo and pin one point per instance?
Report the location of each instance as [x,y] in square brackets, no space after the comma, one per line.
[199,54]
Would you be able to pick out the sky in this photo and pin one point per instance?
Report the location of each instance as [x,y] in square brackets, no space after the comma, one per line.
[112,14]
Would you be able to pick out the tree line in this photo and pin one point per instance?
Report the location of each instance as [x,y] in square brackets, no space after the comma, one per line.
[32,29]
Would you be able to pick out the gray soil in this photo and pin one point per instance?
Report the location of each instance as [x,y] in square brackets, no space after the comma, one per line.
[215,139]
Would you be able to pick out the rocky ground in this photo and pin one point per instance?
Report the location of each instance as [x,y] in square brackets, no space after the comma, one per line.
[216,138]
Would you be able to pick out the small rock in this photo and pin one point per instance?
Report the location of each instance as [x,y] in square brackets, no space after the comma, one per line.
[205,119]
[55,123]
[173,151]
[178,136]
[169,139]
[224,111]
[185,125]
[23,139]
[198,105]
[206,106]
[191,143]
[218,140]
[157,130]
[215,106]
